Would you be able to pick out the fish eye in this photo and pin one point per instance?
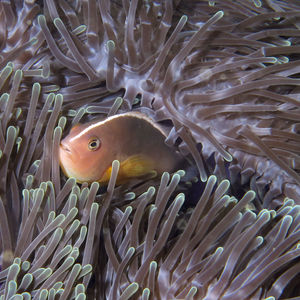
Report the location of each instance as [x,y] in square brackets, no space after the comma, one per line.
[94,144]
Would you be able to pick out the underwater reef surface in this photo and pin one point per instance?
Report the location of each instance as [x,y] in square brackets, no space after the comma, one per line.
[222,78]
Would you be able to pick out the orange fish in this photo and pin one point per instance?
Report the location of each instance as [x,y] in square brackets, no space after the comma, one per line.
[88,151]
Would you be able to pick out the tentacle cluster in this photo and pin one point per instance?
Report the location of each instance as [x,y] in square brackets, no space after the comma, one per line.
[223,78]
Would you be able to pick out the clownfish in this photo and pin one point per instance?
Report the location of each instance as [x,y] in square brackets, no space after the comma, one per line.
[88,151]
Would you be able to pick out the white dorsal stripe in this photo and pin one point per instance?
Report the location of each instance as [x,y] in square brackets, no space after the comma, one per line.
[107,120]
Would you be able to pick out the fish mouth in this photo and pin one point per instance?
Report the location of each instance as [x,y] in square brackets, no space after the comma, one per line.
[65,148]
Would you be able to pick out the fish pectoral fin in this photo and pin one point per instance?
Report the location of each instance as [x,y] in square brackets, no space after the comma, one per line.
[136,166]
[106,176]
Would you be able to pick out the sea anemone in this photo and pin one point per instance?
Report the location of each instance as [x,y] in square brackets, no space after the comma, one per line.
[223,80]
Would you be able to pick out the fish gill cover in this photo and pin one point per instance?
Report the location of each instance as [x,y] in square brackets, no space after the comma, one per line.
[223,78]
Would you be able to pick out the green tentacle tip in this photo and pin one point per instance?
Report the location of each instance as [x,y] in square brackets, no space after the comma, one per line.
[219,14]
[17,260]
[251,194]
[130,291]
[257,3]
[110,46]
[43,295]
[183,18]
[11,132]
[153,265]
[80,29]
[116,164]
[228,156]
[14,270]
[18,75]
[80,296]
[12,289]
[26,296]
[58,22]
[59,98]
[192,292]
[130,251]
[146,294]
[25,266]
[79,289]
[129,196]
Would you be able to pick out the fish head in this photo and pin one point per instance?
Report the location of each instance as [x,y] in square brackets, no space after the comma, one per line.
[82,154]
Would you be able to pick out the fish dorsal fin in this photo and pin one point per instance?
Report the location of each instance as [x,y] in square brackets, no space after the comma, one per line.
[75,128]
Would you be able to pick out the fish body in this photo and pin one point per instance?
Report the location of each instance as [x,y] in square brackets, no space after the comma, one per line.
[88,151]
